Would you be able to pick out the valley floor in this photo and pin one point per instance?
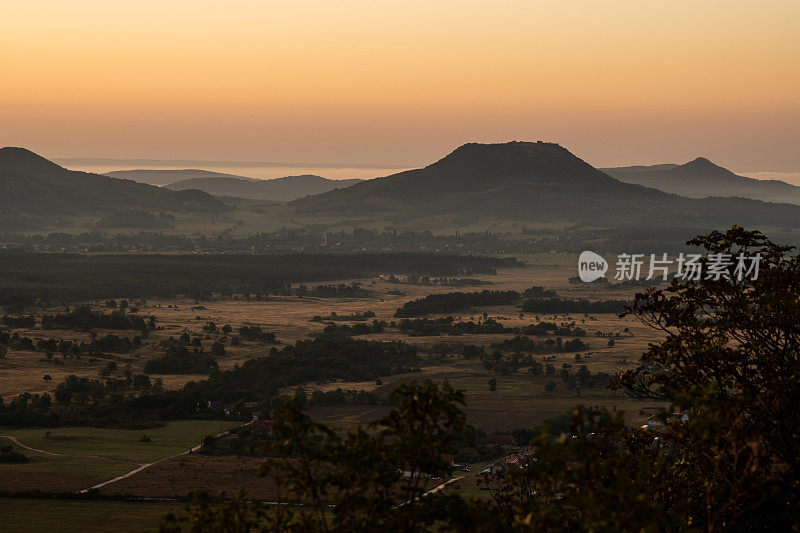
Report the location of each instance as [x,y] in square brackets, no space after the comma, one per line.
[68,459]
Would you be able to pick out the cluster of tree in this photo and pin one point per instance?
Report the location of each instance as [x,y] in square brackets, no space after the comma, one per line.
[181,360]
[320,360]
[108,343]
[377,326]
[497,361]
[82,318]
[547,328]
[444,349]
[15,341]
[427,281]
[352,317]
[521,343]
[538,292]
[422,327]
[581,379]
[122,304]
[26,321]
[127,402]
[451,302]
[256,334]
[242,442]
[116,344]
[567,306]
[347,397]
[33,278]
[28,409]
[117,405]
[81,391]
[184,339]
[342,290]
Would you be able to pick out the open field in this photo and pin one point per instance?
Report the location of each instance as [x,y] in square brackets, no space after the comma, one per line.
[75,458]
[289,318]
[519,402]
[178,476]
[78,516]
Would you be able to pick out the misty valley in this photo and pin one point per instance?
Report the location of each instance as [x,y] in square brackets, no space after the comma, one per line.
[348,267]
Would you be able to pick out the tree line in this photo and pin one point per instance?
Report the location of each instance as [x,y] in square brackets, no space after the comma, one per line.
[451,302]
[82,401]
[33,278]
[567,306]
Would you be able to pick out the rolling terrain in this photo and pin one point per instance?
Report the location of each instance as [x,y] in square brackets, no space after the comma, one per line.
[165,177]
[536,182]
[700,178]
[35,192]
[277,190]
[500,187]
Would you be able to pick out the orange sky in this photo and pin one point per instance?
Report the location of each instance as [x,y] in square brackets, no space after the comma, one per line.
[403,82]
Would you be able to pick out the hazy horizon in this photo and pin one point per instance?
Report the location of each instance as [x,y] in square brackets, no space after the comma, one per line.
[247,169]
[618,83]
[337,171]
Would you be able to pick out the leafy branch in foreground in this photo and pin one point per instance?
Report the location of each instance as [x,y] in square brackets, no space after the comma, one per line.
[368,478]
[730,362]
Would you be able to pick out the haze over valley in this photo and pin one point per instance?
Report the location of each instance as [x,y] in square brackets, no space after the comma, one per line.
[508,188]
[425,267]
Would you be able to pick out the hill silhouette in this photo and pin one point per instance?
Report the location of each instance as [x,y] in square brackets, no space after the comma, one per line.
[165,177]
[700,178]
[530,181]
[35,193]
[279,189]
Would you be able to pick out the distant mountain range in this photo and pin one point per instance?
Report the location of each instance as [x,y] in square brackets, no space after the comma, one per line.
[277,190]
[165,177]
[35,193]
[700,178]
[476,187]
[219,184]
[530,182]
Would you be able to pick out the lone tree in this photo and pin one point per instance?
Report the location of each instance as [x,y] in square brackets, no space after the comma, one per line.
[492,386]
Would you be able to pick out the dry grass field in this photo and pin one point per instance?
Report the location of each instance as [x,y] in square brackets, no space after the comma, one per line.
[178,476]
[520,400]
[289,318]
[20,515]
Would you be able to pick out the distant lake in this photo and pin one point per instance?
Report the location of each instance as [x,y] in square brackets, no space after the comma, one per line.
[238,168]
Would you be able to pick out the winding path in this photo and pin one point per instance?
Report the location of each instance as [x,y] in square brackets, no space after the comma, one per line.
[136,470]
[18,443]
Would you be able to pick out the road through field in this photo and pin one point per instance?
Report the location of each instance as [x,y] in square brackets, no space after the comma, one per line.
[142,466]
[25,446]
